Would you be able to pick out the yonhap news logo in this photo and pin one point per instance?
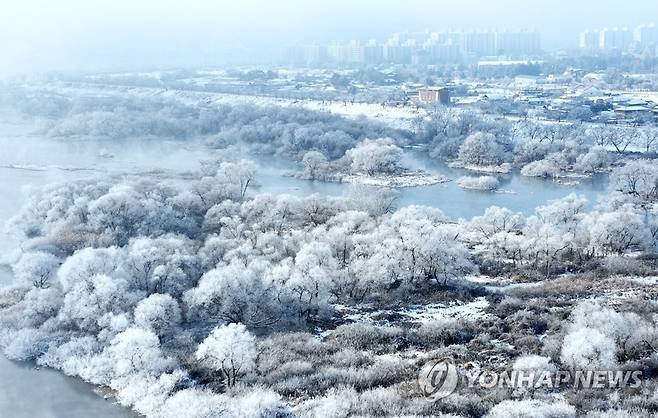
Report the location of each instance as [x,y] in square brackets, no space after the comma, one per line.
[438,379]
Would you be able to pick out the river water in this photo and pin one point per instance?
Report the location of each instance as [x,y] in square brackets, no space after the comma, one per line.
[28,161]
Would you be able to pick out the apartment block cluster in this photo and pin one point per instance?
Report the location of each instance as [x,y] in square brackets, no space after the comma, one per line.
[643,37]
[422,48]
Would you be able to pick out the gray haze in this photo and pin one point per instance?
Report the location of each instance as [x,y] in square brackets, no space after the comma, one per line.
[41,35]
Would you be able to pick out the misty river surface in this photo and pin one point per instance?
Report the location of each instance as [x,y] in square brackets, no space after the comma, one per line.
[29,161]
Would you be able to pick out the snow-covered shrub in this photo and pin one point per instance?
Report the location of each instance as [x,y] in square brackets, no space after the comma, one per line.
[622,265]
[349,357]
[257,402]
[291,370]
[595,160]
[337,403]
[588,349]
[280,349]
[146,393]
[532,408]
[40,305]
[193,403]
[364,336]
[551,166]
[617,413]
[385,371]
[72,357]
[379,402]
[478,183]
[442,331]
[597,336]
[27,344]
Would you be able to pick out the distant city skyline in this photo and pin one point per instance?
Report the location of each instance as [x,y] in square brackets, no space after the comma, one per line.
[421,47]
[40,35]
[620,38]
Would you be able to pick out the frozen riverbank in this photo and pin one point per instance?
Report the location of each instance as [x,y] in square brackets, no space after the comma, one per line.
[410,179]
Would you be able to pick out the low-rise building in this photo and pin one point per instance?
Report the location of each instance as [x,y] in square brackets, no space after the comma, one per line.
[434,95]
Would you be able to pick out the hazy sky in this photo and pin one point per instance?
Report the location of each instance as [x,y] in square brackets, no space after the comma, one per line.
[43,35]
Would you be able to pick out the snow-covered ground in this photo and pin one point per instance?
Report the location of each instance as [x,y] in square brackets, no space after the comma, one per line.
[498,284]
[502,169]
[411,179]
[426,313]
[646,281]
[416,313]
[485,183]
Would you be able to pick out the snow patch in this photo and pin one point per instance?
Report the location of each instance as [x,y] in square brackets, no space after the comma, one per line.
[411,179]
[416,313]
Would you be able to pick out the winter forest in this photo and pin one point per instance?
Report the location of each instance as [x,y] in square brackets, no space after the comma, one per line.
[195,288]
[283,241]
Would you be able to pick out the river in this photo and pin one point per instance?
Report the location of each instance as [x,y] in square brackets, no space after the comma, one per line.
[28,161]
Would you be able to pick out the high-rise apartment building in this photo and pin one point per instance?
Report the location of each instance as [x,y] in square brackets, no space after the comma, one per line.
[517,43]
[589,39]
[478,43]
[615,38]
[646,35]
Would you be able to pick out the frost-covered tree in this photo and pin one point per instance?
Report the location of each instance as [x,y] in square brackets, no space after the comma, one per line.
[158,313]
[167,264]
[595,160]
[481,149]
[375,156]
[553,165]
[637,179]
[240,174]
[314,269]
[567,216]
[137,350]
[443,257]
[237,293]
[649,138]
[37,268]
[230,349]
[315,165]
[496,219]
[618,231]
[544,245]
[376,201]
[117,215]
[88,303]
